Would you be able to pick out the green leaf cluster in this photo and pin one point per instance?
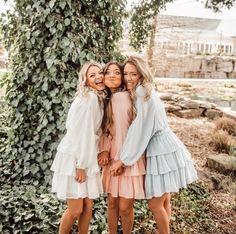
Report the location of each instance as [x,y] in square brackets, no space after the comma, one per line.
[48,41]
[191,210]
[218,5]
[141,21]
[24,210]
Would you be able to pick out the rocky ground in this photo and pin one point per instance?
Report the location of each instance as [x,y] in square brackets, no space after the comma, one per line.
[196,134]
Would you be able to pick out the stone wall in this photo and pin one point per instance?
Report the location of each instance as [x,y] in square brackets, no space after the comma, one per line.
[216,67]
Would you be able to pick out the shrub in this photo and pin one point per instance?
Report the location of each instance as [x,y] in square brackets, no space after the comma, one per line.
[222,141]
[233,151]
[191,210]
[46,50]
[25,209]
[226,124]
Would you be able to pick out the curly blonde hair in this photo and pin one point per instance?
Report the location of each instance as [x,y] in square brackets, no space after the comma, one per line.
[82,88]
[146,79]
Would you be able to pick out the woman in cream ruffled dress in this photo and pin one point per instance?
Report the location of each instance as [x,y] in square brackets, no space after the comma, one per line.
[169,166]
[76,177]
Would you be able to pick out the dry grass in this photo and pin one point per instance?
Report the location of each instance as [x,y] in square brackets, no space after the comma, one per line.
[226,124]
[222,141]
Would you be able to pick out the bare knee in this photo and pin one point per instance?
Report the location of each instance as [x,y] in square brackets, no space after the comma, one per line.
[112,203]
[157,204]
[75,212]
[125,212]
[126,207]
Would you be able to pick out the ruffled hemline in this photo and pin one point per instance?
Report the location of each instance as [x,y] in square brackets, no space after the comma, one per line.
[65,164]
[123,186]
[66,187]
[172,181]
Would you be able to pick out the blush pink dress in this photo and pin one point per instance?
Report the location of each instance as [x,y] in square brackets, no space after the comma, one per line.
[130,184]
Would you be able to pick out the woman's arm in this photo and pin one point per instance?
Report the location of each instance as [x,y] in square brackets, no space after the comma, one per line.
[139,133]
[81,130]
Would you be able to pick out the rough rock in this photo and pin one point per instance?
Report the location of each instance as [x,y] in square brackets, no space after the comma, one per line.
[189,104]
[213,113]
[190,113]
[222,163]
[165,96]
[171,108]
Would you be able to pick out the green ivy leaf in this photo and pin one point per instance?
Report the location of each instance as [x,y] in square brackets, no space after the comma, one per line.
[49,63]
[67,22]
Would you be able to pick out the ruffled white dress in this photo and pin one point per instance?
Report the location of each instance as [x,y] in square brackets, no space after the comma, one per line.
[169,166]
[78,149]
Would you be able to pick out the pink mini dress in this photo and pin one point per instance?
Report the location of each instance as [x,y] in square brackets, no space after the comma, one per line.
[130,184]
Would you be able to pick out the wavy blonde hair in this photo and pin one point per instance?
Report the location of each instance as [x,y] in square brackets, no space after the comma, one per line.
[146,79]
[82,88]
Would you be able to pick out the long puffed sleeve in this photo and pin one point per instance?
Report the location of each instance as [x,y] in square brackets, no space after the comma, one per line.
[80,141]
[140,131]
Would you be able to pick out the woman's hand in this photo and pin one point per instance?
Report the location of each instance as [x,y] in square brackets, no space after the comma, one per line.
[103,158]
[80,175]
[119,171]
[116,168]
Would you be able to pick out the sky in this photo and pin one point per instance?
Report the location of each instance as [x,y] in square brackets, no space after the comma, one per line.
[197,9]
[194,9]
[190,8]
[180,7]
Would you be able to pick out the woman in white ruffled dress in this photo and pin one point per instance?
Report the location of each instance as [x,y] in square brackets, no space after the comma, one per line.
[169,166]
[76,177]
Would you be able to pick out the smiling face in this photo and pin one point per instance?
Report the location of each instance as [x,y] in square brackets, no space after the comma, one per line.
[95,78]
[131,75]
[113,77]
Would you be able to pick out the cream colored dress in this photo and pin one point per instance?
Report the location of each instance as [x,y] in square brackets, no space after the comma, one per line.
[78,149]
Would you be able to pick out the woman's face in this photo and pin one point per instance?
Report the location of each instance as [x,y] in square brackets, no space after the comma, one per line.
[131,76]
[95,78]
[113,77]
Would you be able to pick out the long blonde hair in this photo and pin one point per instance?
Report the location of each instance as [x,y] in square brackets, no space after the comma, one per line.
[82,87]
[146,79]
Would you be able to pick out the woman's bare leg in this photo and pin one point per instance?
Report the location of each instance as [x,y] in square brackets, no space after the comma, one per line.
[85,217]
[167,205]
[156,205]
[113,214]
[126,210]
[73,211]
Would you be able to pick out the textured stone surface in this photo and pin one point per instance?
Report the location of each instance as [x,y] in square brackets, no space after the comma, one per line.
[188,104]
[222,163]
[208,67]
[172,108]
[213,113]
[165,96]
[225,66]
[191,113]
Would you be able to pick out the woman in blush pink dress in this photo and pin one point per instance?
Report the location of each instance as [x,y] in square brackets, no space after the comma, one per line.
[123,189]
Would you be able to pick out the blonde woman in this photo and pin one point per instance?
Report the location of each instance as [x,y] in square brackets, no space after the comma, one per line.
[123,189]
[76,176]
[169,166]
